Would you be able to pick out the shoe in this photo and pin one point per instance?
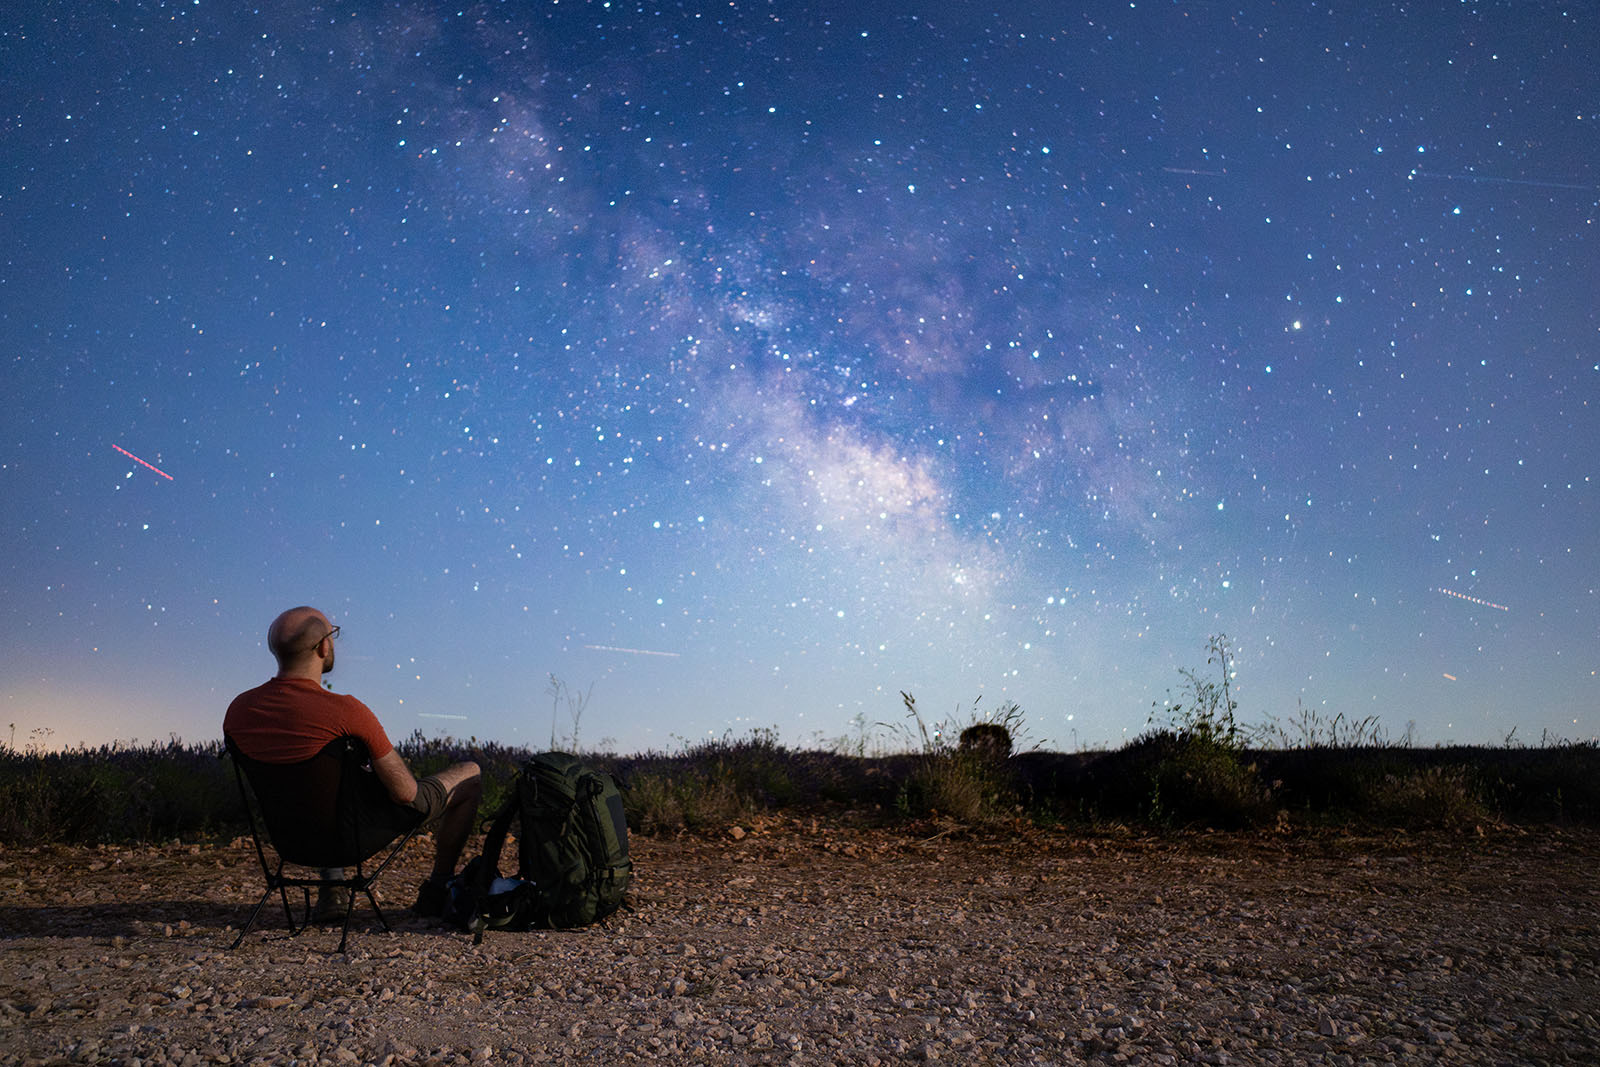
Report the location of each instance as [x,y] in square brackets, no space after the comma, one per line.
[333,904]
[431,898]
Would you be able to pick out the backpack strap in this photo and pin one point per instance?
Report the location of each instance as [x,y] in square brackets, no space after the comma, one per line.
[489,863]
[495,836]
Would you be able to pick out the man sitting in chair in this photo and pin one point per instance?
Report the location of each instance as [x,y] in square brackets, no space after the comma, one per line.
[292,717]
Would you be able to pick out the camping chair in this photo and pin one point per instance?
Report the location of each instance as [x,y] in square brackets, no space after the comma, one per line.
[312,811]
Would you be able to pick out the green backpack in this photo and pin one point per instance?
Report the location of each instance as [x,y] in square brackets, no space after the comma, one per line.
[572,852]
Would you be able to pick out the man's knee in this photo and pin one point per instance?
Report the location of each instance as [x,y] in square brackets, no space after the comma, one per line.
[462,790]
[455,787]
[470,785]
[461,779]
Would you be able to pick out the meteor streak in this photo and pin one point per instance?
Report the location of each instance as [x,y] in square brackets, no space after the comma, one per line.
[136,459]
[1536,183]
[632,651]
[1473,599]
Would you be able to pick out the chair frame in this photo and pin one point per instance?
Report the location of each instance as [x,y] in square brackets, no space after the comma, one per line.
[352,755]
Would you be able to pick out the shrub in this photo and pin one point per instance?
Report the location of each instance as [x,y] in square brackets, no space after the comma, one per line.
[754,768]
[717,781]
[1329,784]
[51,802]
[948,783]
[969,782]
[1205,708]
[1444,795]
[683,798]
[115,793]
[986,740]
[1194,767]
[1202,779]
[1558,780]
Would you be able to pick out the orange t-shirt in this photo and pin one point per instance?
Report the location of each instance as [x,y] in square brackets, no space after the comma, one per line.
[292,719]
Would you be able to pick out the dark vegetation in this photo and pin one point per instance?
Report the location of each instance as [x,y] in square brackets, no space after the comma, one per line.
[1195,767]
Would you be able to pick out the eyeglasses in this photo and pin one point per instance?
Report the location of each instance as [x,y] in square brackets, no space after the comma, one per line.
[329,636]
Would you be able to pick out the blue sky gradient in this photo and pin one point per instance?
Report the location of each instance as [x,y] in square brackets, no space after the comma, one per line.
[744,365]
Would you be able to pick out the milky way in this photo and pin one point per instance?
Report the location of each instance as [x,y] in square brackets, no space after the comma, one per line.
[742,366]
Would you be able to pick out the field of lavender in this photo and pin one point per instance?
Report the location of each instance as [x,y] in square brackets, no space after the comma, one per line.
[1169,779]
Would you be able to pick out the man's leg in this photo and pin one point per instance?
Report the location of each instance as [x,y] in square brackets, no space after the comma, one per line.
[464,788]
[333,902]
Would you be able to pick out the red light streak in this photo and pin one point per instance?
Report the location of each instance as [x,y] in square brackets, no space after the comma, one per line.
[1473,599]
[152,466]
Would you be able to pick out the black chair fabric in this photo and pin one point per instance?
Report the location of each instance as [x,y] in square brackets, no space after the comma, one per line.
[327,811]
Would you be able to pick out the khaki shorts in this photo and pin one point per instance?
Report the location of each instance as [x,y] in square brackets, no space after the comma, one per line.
[430,799]
[379,820]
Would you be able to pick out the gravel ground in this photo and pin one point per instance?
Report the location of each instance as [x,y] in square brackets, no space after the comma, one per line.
[806,944]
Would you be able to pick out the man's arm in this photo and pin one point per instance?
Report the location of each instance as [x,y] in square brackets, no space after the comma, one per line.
[402,787]
[396,777]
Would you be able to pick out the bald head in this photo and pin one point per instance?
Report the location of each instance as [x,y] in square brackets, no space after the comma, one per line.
[295,636]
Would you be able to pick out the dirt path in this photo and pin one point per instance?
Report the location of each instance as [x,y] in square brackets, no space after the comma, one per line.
[818,945]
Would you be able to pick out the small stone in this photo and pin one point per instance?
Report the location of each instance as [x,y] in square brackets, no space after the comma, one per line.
[267,1002]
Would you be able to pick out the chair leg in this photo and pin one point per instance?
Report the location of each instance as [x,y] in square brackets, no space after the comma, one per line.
[344,935]
[375,909]
[254,915]
[275,882]
[363,883]
[288,911]
[308,914]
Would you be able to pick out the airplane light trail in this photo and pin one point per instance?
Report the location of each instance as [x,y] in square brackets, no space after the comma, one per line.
[136,459]
[632,651]
[1536,183]
[1472,599]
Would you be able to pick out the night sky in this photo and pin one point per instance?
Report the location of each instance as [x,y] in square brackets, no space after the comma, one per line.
[744,364]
